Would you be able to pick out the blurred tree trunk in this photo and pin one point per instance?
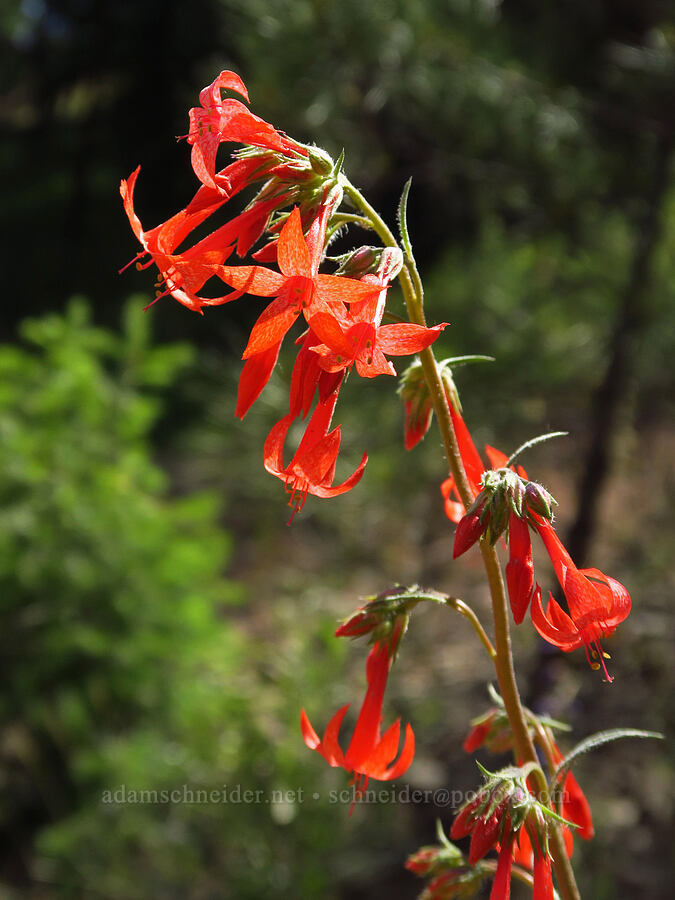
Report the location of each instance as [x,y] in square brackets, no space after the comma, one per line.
[606,403]
[632,316]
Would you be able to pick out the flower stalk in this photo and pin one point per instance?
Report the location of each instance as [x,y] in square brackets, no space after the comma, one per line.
[502,658]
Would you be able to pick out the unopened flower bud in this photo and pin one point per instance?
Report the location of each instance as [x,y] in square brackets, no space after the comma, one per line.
[492,731]
[384,618]
[320,161]
[428,861]
[539,501]
[414,392]
[362,261]
[459,882]
[502,492]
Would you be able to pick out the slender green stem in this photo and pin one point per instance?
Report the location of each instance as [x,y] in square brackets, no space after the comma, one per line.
[469,614]
[411,286]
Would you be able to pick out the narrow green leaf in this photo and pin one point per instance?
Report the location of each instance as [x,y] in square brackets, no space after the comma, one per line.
[597,740]
[454,361]
[403,219]
[339,163]
[532,443]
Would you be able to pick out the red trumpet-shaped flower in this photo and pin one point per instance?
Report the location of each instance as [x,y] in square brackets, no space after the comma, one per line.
[492,827]
[298,288]
[473,465]
[218,120]
[520,567]
[183,274]
[370,754]
[596,602]
[358,339]
[312,469]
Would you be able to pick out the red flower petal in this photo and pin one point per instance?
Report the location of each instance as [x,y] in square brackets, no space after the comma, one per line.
[331,749]
[384,752]
[565,636]
[337,289]
[405,759]
[403,339]
[271,327]
[254,376]
[292,252]
[543,882]
[501,886]
[520,567]
[252,279]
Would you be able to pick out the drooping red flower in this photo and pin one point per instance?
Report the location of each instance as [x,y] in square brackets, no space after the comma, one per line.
[218,120]
[473,465]
[298,288]
[357,338]
[501,886]
[493,829]
[312,468]
[184,273]
[597,604]
[308,377]
[370,754]
[520,567]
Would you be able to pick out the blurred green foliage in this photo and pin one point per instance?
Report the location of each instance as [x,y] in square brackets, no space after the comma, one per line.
[120,671]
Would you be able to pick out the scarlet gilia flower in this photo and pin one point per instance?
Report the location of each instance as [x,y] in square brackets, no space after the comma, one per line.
[218,120]
[492,730]
[414,393]
[384,618]
[502,811]
[370,754]
[312,468]
[298,288]
[473,466]
[357,338]
[597,604]
[183,274]
[520,567]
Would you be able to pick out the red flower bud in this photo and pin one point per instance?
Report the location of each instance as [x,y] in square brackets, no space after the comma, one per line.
[469,530]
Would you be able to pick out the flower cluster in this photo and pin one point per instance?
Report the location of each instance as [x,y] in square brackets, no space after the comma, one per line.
[505,499]
[493,731]
[370,754]
[295,213]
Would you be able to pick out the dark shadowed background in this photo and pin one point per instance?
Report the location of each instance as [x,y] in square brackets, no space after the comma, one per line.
[161,627]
